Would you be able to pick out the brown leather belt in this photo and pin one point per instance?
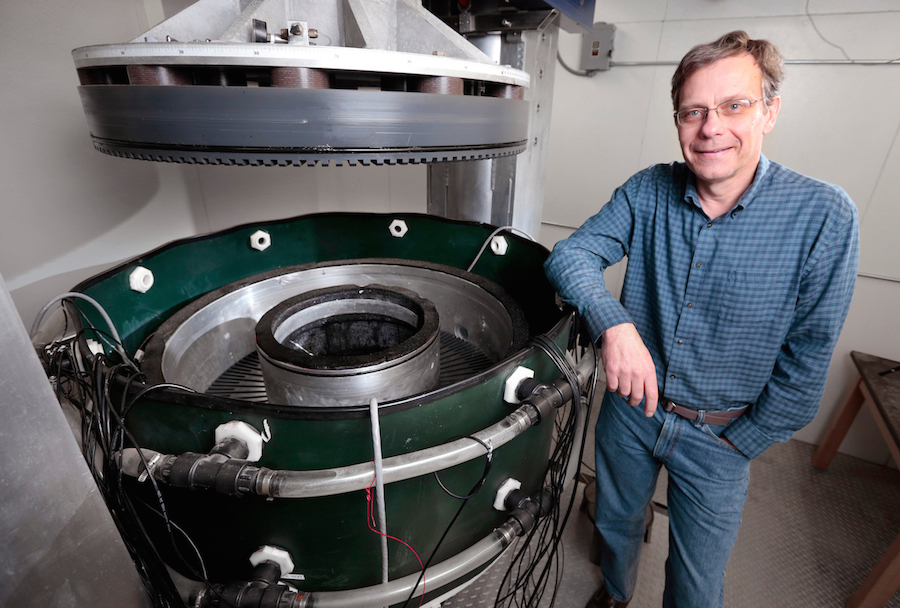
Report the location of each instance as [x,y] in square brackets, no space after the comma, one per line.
[714,418]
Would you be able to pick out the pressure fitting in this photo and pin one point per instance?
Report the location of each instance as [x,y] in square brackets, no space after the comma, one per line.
[525,510]
[537,399]
[226,469]
[263,590]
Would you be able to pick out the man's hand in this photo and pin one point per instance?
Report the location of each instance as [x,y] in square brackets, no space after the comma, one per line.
[629,367]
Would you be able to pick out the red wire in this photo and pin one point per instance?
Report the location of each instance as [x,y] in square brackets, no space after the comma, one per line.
[370,521]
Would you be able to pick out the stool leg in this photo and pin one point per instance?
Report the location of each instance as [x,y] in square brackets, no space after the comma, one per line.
[882,582]
[838,428]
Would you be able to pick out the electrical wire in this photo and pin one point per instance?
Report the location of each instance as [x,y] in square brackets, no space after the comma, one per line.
[465,499]
[321,34]
[370,521]
[538,558]
[812,22]
[88,383]
[511,229]
[379,485]
[119,347]
[585,73]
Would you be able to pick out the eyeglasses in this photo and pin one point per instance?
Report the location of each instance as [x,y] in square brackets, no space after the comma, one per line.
[732,109]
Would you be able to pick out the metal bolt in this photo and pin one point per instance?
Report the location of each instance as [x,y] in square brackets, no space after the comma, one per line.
[506,23]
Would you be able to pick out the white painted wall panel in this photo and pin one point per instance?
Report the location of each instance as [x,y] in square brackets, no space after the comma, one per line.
[838,123]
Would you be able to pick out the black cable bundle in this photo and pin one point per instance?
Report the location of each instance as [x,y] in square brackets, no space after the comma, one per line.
[538,559]
[84,380]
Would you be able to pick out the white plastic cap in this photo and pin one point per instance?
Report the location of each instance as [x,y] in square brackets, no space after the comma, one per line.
[140,279]
[244,432]
[398,228]
[94,346]
[260,240]
[268,553]
[513,382]
[499,245]
[508,486]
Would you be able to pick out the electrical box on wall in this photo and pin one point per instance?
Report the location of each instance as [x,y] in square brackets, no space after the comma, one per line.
[597,46]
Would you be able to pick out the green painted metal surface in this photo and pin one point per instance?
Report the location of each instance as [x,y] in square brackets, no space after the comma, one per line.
[328,537]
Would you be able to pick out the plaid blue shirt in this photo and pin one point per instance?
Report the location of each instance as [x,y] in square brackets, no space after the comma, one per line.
[743,309]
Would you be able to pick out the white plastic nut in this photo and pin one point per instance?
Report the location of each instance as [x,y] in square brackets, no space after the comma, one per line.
[278,556]
[260,240]
[398,228]
[508,486]
[244,432]
[95,347]
[513,382]
[140,279]
[499,245]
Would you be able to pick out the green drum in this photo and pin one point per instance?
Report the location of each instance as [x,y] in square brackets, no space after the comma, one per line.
[328,312]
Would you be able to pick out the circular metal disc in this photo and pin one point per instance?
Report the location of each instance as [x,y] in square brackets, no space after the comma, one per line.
[269,126]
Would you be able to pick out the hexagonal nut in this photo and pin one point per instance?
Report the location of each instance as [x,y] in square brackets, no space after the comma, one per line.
[260,240]
[508,486]
[398,228]
[512,384]
[499,245]
[276,555]
[140,279]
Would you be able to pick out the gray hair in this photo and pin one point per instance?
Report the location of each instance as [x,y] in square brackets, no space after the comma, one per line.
[768,58]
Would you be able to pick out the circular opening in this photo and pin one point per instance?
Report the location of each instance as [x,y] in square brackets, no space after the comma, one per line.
[357,333]
[346,326]
[344,345]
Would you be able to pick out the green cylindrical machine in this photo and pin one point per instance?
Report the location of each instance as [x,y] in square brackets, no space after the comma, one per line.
[362,306]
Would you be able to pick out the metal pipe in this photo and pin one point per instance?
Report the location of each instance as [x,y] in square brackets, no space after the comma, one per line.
[435,577]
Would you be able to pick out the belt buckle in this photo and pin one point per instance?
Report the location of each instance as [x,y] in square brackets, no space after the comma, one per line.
[669,405]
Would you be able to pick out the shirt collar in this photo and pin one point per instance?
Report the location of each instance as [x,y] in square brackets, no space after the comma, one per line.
[690,190]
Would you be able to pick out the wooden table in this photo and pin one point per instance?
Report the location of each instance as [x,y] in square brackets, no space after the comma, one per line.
[881,394]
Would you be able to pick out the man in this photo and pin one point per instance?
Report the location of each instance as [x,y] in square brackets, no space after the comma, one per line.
[739,277]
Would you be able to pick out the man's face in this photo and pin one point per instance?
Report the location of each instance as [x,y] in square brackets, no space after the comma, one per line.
[719,151]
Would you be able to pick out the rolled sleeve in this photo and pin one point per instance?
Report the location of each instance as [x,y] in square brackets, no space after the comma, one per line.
[576,264]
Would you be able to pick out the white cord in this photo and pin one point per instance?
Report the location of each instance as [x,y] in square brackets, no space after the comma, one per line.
[379,487]
[493,234]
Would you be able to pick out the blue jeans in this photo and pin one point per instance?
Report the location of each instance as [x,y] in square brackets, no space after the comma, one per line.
[707,488]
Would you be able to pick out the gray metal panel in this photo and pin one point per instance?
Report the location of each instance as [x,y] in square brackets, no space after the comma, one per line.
[58,544]
[579,11]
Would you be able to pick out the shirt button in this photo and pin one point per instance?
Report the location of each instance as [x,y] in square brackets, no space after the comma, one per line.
[690,304]
[699,264]
[672,377]
[709,225]
[681,341]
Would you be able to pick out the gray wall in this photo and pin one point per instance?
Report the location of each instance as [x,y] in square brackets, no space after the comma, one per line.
[837,123]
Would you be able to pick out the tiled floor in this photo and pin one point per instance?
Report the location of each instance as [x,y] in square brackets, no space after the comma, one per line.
[808,538]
